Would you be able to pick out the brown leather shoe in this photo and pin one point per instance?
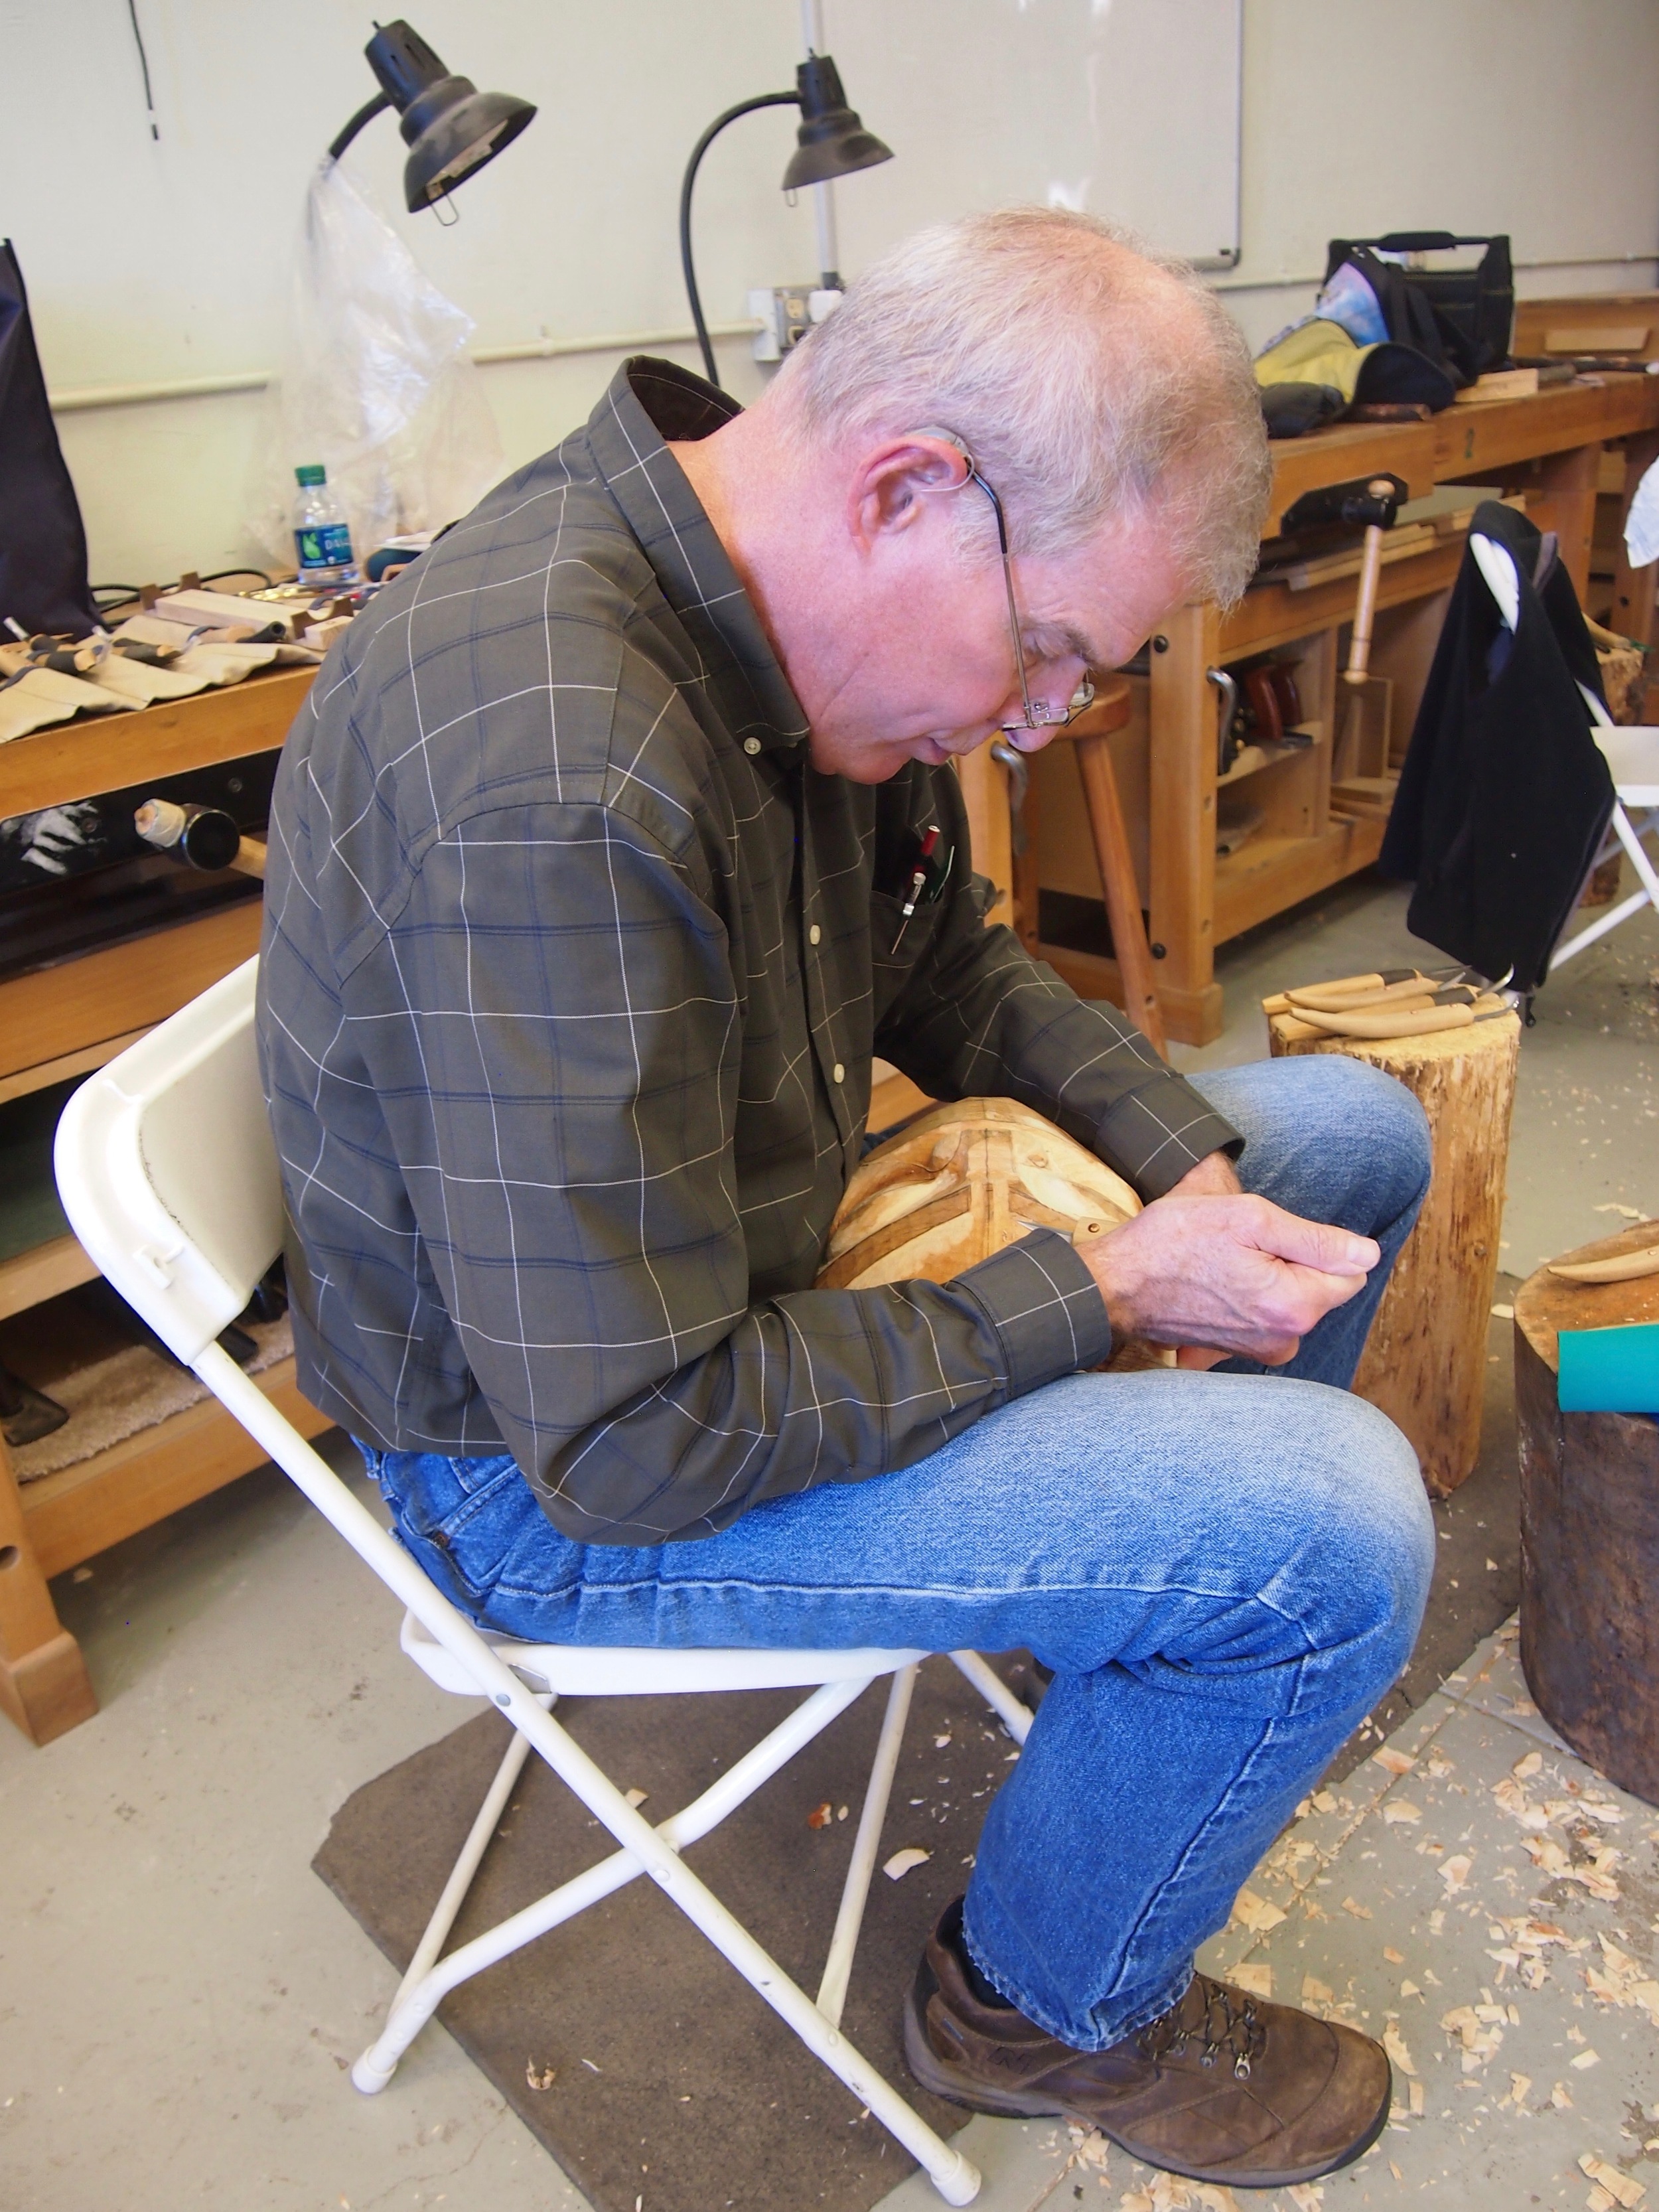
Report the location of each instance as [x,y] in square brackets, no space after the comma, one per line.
[1223,2087]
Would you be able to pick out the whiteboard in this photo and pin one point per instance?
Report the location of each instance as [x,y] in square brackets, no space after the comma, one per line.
[1127,108]
[157,258]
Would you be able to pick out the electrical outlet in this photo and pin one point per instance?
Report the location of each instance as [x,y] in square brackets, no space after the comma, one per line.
[786,313]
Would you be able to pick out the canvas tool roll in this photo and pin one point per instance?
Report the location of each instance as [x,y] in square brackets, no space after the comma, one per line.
[959,1183]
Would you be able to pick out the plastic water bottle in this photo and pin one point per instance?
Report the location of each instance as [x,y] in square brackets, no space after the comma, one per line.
[322,537]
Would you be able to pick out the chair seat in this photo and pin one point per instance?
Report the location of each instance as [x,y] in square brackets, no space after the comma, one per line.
[574,1670]
[1632,754]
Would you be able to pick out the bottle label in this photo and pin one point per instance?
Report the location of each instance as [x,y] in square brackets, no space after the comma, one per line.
[323,545]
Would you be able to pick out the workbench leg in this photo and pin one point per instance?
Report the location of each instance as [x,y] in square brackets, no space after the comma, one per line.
[1561,497]
[44,1684]
[1632,588]
[985,794]
[1182,808]
[1117,877]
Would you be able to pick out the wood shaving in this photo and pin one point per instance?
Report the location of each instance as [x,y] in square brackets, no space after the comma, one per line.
[899,1864]
[1306,2196]
[636,1797]
[1393,1761]
[1313,1991]
[1585,2061]
[1395,1809]
[1416,2088]
[821,1816]
[1394,2044]
[1409,1989]
[1519,2086]
[1524,1769]
[1255,1913]
[1455,1872]
[1623,2188]
[1395,1957]
[1359,1912]
[539,2077]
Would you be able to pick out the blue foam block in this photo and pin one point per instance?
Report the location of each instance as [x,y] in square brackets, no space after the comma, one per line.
[1610,1370]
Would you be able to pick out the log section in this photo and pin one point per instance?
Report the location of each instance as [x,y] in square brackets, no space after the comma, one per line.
[1424,1363]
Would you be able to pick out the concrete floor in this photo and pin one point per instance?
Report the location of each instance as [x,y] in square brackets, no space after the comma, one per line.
[179,1996]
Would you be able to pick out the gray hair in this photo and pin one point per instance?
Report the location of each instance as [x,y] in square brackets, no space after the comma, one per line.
[1086,376]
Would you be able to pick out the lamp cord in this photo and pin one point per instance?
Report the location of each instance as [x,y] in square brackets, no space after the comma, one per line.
[743,108]
[365,113]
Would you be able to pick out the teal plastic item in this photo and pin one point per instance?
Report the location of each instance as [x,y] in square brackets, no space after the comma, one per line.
[1610,1370]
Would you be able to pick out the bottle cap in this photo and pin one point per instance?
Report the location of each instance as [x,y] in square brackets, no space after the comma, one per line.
[312,473]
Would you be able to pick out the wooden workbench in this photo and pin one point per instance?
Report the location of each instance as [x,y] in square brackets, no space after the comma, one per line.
[64,1020]
[1550,447]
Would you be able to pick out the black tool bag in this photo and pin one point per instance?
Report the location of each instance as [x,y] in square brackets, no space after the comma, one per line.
[1462,319]
[43,546]
[1504,796]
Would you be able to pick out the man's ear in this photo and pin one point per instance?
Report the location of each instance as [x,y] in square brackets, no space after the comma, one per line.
[893,483]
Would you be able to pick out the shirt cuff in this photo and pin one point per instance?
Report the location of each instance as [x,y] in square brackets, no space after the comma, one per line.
[1045,1308]
[1157,1131]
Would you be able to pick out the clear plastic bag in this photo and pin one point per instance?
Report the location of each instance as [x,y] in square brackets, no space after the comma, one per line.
[375,383]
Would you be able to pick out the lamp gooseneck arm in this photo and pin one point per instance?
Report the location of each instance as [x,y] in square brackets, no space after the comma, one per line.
[365,113]
[743,108]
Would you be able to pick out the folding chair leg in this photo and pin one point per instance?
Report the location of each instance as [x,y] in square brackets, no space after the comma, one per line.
[419,1997]
[838,1967]
[1016,1716]
[461,1875]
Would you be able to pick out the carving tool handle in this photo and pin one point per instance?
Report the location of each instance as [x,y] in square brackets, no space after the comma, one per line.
[1365,613]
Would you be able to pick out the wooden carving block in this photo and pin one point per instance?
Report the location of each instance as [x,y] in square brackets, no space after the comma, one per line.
[960,1184]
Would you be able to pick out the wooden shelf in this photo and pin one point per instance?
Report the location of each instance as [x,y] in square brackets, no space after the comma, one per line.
[79,760]
[1270,873]
[29,1278]
[84,1508]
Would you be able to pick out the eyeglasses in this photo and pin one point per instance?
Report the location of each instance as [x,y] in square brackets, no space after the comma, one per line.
[1040,714]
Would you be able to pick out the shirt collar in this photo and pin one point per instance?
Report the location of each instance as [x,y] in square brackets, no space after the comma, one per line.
[648,403]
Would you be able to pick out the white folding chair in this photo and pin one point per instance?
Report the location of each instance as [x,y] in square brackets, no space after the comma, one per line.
[168,1173]
[1632,758]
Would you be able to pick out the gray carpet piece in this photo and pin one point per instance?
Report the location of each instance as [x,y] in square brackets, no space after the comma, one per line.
[674,2088]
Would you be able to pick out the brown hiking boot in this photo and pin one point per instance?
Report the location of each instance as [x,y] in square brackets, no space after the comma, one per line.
[1222,2088]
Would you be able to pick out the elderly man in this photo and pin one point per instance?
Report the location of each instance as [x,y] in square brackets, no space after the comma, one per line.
[585,915]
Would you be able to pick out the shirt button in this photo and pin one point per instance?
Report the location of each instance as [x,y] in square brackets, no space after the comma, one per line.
[813,934]
[839,1073]
[751,746]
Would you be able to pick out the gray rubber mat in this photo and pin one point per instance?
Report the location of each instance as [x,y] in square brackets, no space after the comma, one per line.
[645,2065]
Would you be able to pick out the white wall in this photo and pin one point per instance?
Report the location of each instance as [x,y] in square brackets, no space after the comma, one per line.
[1537,116]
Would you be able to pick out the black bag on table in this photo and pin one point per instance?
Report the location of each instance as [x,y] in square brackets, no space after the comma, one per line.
[1504,796]
[1462,319]
[43,545]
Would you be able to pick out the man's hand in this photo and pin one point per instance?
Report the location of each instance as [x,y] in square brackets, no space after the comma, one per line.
[1232,1272]
[1214,1177]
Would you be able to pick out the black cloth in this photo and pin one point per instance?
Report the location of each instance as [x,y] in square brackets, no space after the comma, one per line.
[43,547]
[1504,796]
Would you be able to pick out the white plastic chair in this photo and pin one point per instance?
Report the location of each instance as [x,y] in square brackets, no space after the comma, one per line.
[1632,758]
[168,1173]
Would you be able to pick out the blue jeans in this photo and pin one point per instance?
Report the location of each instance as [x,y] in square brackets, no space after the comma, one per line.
[1225,1570]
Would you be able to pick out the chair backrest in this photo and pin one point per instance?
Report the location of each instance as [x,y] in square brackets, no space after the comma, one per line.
[167,1171]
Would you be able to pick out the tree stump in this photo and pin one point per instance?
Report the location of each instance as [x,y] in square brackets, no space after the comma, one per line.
[1424,1362]
[1589,1532]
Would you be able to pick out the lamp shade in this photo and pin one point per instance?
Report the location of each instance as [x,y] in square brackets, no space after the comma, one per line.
[450,127]
[832,141]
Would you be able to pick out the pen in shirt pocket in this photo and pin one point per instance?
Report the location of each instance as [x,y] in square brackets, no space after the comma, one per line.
[922,878]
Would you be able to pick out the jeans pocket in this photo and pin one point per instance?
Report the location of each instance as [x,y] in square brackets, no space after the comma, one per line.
[462,1532]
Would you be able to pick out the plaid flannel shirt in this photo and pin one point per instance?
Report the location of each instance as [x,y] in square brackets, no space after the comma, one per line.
[573,971]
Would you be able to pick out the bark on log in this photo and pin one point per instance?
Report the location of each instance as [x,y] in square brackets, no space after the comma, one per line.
[1589,1533]
[1424,1362]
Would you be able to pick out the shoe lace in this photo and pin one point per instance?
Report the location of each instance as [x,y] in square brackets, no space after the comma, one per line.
[1226,2027]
